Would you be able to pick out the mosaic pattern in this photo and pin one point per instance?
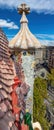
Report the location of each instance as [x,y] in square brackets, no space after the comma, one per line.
[24,64]
[27,64]
[24,87]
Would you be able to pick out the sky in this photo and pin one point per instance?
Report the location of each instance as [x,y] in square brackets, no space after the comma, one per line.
[41,19]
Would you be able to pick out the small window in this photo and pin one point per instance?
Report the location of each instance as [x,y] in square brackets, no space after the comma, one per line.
[13,57]
[24,53]
[42,74]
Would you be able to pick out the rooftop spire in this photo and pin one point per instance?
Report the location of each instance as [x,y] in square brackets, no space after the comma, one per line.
[24,38]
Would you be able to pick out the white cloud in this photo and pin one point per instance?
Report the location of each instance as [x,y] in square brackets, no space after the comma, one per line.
[45,36]
[8,24]
[46,39]
[47,42]
[46,6]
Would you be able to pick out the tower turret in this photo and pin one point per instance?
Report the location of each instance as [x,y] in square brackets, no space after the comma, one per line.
[23,46]
[24,39]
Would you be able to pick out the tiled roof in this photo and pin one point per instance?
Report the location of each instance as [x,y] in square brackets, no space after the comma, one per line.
[7,74]
[6,82]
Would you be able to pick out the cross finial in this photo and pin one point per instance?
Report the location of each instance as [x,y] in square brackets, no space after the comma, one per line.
[23,8]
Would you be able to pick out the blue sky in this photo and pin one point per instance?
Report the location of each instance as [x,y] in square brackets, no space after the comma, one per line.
[41,19]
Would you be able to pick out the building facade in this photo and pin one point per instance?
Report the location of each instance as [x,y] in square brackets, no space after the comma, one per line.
[51,57]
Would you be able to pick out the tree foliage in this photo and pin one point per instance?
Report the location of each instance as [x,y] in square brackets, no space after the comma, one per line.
[50,77]
[39,109]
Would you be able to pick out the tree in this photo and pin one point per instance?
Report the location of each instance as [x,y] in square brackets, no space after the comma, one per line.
[39,108]
[50,77]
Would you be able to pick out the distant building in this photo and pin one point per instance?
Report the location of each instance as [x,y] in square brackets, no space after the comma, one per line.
[41,55]
[51,57]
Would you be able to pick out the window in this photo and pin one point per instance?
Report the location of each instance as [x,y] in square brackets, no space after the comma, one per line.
[24,53]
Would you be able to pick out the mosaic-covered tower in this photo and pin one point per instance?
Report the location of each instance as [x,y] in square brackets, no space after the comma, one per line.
[23,47]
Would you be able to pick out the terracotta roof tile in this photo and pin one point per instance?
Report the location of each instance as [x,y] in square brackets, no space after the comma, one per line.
[3,107]
[6,82]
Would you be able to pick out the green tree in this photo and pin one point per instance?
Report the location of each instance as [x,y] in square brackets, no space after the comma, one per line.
[50,77]
[53,103]
[39,108]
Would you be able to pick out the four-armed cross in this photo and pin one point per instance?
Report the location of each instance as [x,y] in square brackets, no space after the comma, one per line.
[23,8]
